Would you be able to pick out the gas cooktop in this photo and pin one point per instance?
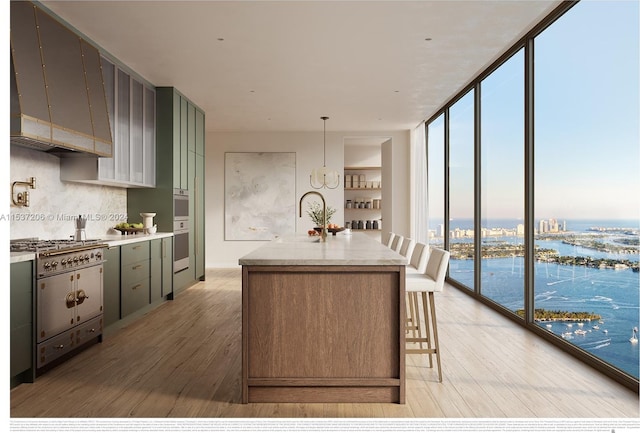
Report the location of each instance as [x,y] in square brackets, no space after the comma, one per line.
[39,245]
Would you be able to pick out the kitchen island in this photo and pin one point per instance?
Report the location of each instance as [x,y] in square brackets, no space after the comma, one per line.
[323,321]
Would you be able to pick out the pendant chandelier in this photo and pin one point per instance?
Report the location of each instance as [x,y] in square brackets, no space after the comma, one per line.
[324,177]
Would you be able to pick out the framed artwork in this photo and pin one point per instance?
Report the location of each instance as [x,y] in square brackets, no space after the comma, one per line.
[259,195]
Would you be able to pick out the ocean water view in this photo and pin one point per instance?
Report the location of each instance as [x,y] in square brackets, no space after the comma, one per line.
[613,294]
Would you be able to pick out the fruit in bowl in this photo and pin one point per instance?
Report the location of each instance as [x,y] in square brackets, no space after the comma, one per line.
[129,227]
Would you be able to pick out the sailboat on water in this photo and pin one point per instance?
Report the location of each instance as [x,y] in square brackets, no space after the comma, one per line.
[634,335]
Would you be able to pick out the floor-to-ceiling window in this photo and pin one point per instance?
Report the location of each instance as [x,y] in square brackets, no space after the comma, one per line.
[587,181]
[502,183]
[461,190]
[435,173]
[556,184]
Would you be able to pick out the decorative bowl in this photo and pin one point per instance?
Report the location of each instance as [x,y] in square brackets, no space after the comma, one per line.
[151,230]
[333,231]
[130,231]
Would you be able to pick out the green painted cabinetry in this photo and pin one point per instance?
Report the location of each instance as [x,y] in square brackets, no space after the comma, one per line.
[21,322]
[161,268]
[180,144]
[111,286]
[134,277]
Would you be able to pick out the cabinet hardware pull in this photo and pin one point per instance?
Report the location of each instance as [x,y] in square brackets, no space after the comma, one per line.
[136,267]
[135,247]
[137,286]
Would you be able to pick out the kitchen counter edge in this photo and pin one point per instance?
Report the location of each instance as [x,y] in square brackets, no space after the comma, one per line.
[117,240]
[111,240]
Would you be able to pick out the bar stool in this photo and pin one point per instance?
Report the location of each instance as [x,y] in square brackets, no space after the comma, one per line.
[426,284]
[407,247]
[389,241]
[397,243]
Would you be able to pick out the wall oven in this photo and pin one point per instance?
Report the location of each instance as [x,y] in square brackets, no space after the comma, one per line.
[180,245]
[180,205]
[180,229]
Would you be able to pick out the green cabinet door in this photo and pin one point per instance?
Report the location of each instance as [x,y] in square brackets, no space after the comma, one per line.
[156,269]
[199,224]
[167,267]
[184,143]
[21,321]
[174,144]
[111,284]
[134,277]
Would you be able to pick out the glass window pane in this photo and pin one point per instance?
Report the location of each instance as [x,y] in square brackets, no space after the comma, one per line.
[502,187]
[587,178]
[435,172]
[461,190]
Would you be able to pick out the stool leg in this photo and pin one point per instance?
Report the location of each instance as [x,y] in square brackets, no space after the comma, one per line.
[411,319]
[432,303]
[418,324]
[425,308]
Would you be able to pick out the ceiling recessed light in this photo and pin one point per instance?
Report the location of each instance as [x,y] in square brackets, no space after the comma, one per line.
[396,91]
[427,39]
[221,39]
[252,91]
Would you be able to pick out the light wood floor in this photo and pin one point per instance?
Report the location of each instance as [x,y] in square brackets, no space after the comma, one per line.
[183,360]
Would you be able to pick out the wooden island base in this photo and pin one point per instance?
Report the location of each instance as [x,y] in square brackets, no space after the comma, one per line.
[323,333]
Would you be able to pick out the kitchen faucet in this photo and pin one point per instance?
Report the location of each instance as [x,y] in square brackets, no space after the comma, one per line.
[323,233]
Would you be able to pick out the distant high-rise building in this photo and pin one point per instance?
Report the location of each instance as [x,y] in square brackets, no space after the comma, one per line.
[441,230]
[520,230]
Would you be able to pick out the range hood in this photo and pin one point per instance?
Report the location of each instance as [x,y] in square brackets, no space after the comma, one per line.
[58,101]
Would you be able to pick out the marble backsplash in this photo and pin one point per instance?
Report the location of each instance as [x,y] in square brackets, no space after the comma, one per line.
[54,204]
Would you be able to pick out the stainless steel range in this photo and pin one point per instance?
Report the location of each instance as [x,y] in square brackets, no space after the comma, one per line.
[68,295]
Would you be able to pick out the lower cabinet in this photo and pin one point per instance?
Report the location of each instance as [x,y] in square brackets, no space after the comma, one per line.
[136,275]
[111,286]
[21,322]
[161,268]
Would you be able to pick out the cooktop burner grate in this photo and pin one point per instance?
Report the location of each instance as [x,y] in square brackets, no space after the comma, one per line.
[39,245]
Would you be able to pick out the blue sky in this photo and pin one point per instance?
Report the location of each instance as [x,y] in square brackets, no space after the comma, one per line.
[587,139]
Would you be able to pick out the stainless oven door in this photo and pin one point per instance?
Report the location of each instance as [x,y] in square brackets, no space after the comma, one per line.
[180,204]
[67,299]
[180,245]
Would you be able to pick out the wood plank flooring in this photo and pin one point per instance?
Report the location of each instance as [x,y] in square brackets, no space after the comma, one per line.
[183,359]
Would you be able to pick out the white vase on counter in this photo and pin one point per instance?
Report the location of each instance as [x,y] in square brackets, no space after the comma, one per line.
[147,221]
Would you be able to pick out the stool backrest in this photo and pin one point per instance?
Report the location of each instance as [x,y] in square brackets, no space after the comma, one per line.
[392,236]
[407,247]
[419,257]
[437,266]
[397,243]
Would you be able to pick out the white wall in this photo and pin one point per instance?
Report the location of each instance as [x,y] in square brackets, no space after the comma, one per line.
[55,204]
[308,148]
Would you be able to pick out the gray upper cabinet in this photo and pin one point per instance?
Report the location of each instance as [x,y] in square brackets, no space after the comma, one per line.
[131,105]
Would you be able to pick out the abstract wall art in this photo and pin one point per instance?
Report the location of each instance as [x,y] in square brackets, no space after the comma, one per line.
[260,195]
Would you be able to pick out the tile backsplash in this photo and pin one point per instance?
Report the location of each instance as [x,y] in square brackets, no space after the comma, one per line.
[54,204]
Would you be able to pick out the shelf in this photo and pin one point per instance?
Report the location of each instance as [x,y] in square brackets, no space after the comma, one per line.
[366,230]
[363,189]
[362,208]
[361,168]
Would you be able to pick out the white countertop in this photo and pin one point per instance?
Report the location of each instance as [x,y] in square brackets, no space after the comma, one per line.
[357,249]
[117,240]
[111,240]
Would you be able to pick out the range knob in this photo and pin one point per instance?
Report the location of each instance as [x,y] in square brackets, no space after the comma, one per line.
[54,265]
[63,262]
[75,259]
[47,265]
[86,257]
[81,258]
[98,255]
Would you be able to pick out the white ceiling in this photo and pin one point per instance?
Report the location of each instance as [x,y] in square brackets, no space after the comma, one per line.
[283,64]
